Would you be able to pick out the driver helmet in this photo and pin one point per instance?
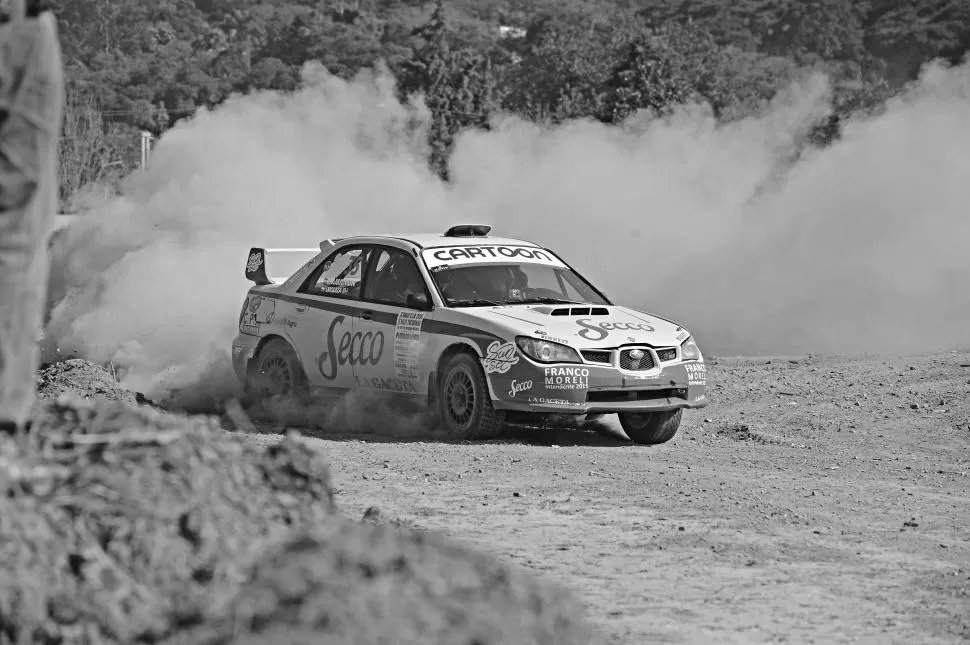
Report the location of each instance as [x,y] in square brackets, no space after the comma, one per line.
[502,282]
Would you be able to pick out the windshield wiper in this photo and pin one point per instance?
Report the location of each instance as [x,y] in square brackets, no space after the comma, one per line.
[473,302]
[546,301]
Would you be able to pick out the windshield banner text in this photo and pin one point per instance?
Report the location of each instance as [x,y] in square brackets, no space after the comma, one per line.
[455,255]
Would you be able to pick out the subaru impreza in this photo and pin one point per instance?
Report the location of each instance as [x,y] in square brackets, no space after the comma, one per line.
[475,328]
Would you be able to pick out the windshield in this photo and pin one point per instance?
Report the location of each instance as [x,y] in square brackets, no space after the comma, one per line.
[482,276]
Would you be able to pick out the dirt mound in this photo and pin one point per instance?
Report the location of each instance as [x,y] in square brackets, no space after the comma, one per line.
[119,524]
[81,378]
[123,524]
[346,583]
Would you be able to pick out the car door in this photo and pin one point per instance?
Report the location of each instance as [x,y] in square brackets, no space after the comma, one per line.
[324,310]
[390,319]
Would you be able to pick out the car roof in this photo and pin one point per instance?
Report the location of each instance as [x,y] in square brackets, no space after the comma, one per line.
[432,240]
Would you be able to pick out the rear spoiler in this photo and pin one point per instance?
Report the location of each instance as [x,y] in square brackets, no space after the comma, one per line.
[281,267]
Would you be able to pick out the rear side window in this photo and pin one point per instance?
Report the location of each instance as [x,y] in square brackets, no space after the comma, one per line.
[340,275]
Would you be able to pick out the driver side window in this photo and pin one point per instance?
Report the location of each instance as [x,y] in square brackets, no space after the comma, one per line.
[340,275]
[393,276]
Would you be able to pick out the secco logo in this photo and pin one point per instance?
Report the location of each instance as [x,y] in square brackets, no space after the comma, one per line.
[599,331]
[567,378]
[354,349]
[519,386]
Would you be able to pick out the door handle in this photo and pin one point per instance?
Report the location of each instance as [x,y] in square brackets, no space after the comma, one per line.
[300,309]
[367,315]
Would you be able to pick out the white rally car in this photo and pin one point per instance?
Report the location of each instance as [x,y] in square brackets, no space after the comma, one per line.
[476,327]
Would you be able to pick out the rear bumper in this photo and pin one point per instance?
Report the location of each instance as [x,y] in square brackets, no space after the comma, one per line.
[243,350]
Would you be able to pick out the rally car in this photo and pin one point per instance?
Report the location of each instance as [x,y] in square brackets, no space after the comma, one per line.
[474,327]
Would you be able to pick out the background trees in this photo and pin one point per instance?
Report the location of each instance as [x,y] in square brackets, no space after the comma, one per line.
[144,64]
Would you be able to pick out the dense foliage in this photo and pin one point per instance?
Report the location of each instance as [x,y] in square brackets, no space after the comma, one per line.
[143,64]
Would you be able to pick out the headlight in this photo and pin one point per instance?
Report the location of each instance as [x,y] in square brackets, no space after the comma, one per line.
[689,351]
[543,351]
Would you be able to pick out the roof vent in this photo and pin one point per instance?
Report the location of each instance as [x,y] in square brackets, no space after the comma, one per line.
[468,230]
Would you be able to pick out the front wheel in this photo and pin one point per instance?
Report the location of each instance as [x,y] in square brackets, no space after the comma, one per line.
[651,427]
[464,405]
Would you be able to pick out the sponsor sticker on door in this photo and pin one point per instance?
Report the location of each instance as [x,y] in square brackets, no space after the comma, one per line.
[407,344]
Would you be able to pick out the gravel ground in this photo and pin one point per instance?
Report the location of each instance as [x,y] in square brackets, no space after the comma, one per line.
[818,499]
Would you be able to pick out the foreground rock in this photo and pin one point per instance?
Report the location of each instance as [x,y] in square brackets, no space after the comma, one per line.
[349,583]
[122,524]
[119,523]
[81,378]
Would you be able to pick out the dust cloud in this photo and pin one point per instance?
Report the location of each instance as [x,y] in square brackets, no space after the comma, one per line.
[856,248]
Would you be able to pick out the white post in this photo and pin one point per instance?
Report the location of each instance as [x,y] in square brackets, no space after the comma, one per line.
[146,147]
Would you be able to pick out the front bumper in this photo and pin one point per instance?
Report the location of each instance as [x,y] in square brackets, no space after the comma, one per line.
[594,389]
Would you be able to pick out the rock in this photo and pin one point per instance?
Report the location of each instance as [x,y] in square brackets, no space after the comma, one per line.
[84,379]
[155,514]
[347,582]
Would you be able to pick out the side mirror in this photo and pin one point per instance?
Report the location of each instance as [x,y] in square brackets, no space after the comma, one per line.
[418,301]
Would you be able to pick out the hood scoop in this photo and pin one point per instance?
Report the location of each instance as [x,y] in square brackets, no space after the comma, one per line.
[580,311]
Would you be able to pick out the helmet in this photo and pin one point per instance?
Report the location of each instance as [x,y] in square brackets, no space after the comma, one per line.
[504,282]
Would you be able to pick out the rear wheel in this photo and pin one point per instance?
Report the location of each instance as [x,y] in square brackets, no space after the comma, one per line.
[464,405]
[651,427]
[277,372]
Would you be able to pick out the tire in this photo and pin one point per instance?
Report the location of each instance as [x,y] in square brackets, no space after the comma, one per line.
[651,427]
[277,373]
[464,406]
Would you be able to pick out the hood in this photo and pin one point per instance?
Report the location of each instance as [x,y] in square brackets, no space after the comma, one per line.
[584,326]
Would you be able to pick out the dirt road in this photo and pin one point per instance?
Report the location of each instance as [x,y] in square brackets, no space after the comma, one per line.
[816,500]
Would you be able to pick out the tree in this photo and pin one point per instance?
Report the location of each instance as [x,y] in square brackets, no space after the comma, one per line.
[851,100]
[810,31]
[455,83]
[562,71]
[905,34]
[85,152]
[645,79]
[740,23]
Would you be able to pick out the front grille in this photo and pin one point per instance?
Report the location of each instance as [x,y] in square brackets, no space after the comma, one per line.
[667,354]
[597,356]
[639,364]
